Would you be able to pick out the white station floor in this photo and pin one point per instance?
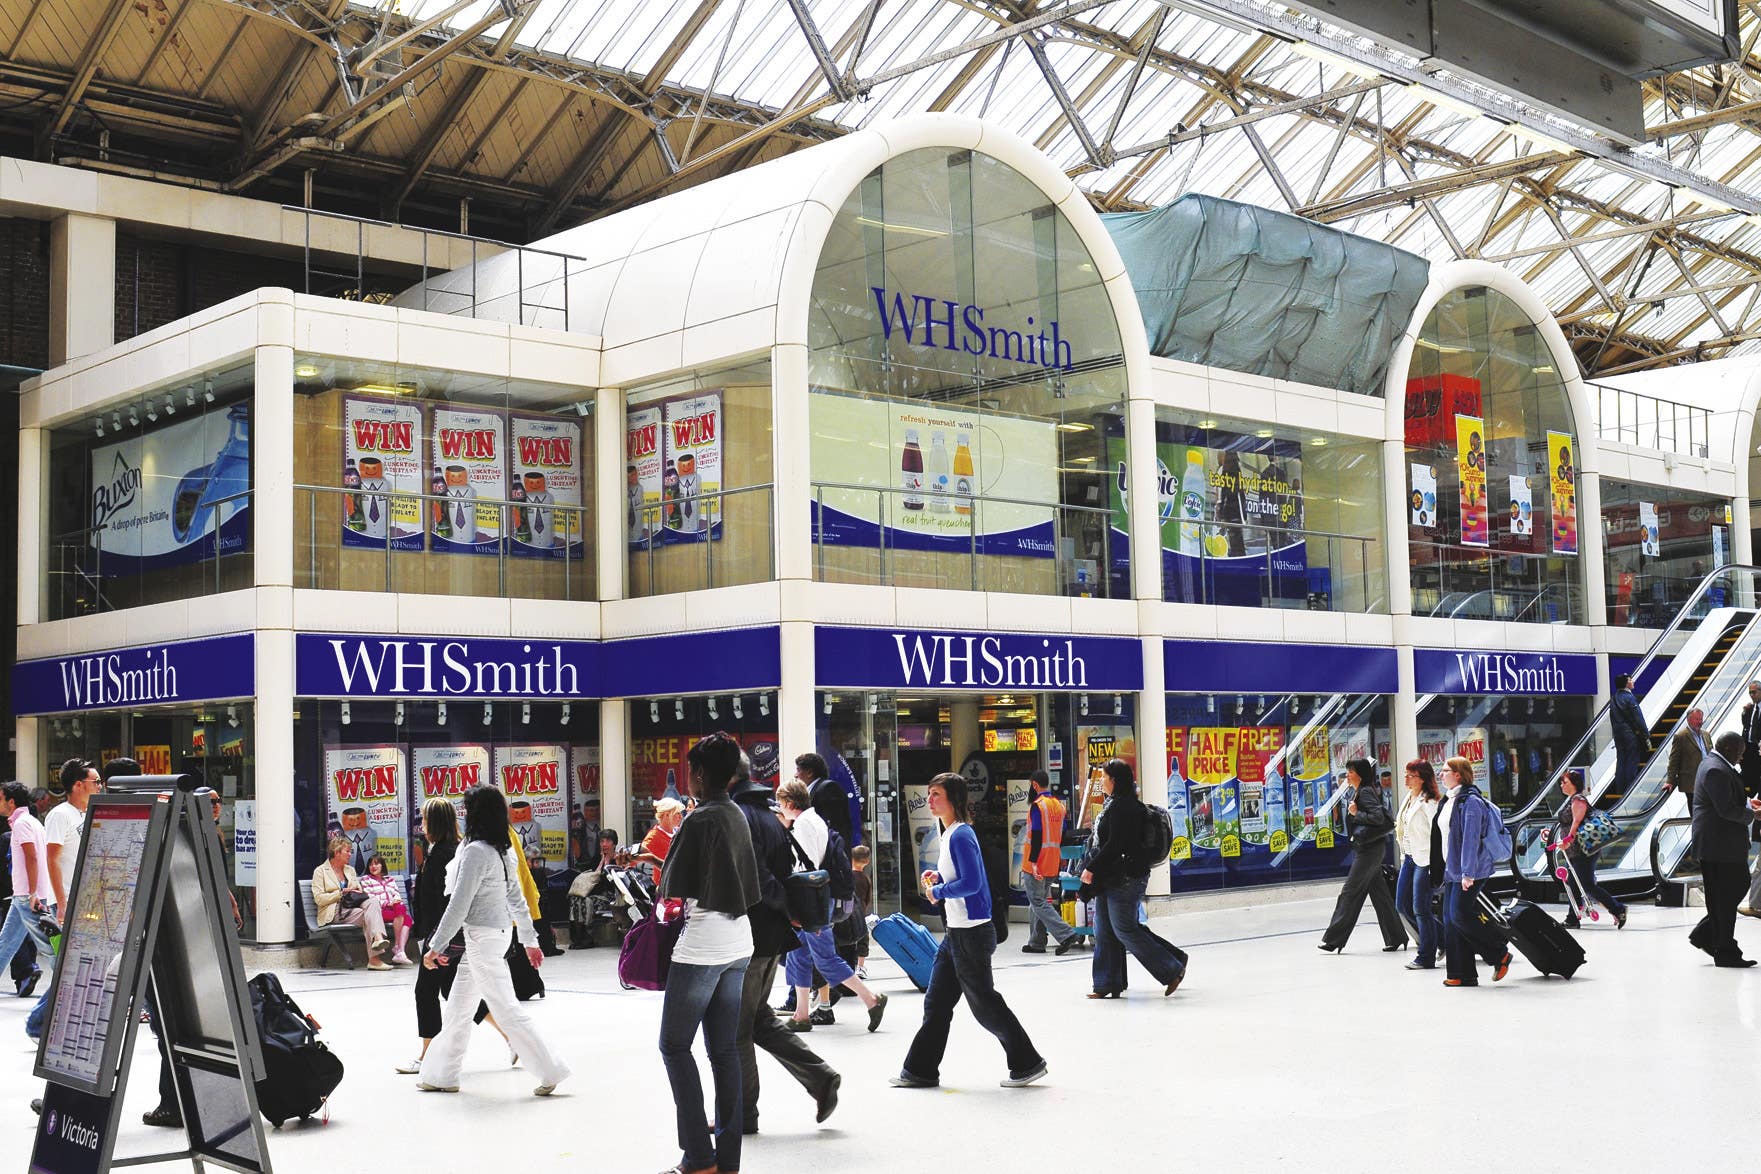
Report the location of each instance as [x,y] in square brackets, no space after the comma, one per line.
[1273,1055]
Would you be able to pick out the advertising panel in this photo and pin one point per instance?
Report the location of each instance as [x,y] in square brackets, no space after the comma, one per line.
[924,832]
[1310,770]
[1095,745]
[367,802]
[445,772]
[1179,809]
[1436,746]
[1261,786]
[585,818]
[1470,456]
[1563,478]
[544,483]
[469,447]
[173,496]
[1650,542]
[930,467]
[642,475]
[1522,508]
[1214,796]
[1020,797]
[244,843]
[381,457]
[691,476]
[534,778]
[1424,496]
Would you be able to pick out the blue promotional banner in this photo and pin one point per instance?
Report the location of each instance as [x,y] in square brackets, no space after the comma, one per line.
[1222,666]
[909,658]
[174,496]
[156,674]
[1524,674]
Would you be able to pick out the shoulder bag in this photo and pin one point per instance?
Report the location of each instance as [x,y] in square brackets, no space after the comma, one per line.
[808,895]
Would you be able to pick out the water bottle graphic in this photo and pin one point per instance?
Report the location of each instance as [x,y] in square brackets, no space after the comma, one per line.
[1177,811]
[1273,797]
[937,475]
[672,786]
[1193,491]
[1017,839]
[202,491]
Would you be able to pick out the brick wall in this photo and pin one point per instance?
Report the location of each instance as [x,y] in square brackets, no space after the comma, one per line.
[24,292]
[160,281]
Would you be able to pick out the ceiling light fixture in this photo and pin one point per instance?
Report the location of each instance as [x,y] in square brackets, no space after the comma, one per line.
[654,712]
[305,371]
[207,391]
[525,713]
[679,710]
[346,715]
[440,714]
[488,712]
[564,720]
[152,416]
[737,714]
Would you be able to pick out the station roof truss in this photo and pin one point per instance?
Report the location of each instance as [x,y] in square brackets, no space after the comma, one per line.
[534,115]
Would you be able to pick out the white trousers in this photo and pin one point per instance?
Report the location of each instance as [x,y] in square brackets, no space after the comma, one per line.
[483,974]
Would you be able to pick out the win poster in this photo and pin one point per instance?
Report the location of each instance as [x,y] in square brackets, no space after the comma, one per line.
[691,475]
[643,462]
[470,450]
[534,778]
[544,483]
[173,496]
[367,803]
[381,457]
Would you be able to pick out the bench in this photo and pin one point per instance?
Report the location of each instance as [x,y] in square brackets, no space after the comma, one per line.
[336,936]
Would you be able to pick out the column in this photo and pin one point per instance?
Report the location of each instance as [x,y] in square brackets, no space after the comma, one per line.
[1143,490]
[1741,541]
[272,477]
[611,543]
[1403,719]
[27,756]
[1590,552]
[33,523]
[82,286]
[1397,560]
[797,712]
[277,886]
[614,763]
[1152,747]
[792,473]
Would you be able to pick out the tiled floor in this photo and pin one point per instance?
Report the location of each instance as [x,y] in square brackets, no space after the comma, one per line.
[1272,1056]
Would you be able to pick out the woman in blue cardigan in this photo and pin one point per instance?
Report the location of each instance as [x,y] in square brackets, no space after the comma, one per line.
[963,962]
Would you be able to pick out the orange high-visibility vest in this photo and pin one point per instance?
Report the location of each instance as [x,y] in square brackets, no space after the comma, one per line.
[1051,820]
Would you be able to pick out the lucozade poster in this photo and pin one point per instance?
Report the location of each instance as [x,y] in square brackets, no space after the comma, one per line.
[367,802]
[1214,794]
[691,476]
[534,778]
[381,466]
[643,464]
[445,772]
[544,483]
[470,450]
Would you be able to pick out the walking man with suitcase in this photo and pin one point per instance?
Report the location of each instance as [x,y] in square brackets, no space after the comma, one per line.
[1722,818]
[1461,862]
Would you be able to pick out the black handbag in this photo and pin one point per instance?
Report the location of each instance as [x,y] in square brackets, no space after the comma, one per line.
[353,899]
[808,895]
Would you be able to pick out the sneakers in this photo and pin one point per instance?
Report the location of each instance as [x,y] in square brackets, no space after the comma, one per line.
[822,1017]
[1503,968]
[1415,964]
[398,959]
[410,1069]
[28,984]
[165,1117]
[1461,982]
[1620,920]
[798,1025]
[875,1012]
[1026,1078]
[906,1080]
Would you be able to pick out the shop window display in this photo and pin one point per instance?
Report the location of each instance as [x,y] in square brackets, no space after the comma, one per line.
[363,770]
[1491,444]
[965,371]
[1515,743]
[415,479]
[663,730]
[698,480]
[151,501]
[1261,516]
[1658,543]
[1249,778]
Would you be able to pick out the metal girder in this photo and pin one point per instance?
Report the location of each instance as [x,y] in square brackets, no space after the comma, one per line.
[1072,116]
[1577,254]
[84,71]
[1392,196]
[816,45]
[1149,43]
[1272,168]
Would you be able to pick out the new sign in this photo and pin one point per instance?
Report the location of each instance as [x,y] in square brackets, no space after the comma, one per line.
[886,658]
[1529,674]
[156,674]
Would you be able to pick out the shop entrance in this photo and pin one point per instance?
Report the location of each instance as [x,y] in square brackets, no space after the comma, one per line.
[891,744]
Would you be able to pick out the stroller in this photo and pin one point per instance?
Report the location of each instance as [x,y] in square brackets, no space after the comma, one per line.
[604,905]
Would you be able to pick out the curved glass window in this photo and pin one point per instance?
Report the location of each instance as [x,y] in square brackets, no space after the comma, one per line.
[1491,468]
[966,375]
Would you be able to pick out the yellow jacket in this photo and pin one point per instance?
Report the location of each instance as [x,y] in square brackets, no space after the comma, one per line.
[526,885]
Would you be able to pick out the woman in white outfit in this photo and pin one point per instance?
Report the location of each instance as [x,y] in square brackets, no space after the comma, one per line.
[483,897]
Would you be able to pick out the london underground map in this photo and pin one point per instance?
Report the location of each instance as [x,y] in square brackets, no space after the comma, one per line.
[96,934]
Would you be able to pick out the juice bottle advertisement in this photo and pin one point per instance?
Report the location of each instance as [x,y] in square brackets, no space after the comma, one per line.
[1216,805]
[1179,810]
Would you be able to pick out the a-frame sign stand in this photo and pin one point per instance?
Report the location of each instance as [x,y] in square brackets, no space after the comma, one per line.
[150,930]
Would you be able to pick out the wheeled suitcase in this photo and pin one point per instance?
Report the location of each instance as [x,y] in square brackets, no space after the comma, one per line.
[1547,945]
[908,944]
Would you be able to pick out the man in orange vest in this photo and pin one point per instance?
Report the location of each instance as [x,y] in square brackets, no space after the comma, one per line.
[1041,861]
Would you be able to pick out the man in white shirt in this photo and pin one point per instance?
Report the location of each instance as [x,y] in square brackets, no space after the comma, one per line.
[66,827]
[31,892]
[811,840]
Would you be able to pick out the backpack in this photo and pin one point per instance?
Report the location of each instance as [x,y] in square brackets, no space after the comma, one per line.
[1495,840]
[301,1072]
[1158,836]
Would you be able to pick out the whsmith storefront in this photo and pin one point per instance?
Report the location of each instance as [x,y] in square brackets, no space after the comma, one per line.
[890,449]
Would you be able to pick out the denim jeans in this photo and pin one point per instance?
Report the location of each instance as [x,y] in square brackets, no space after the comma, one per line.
[21,922]
[819,951]
[1464,935]
[708,996]
[1119,931]
[1412,894]
[1042,911]
[963,968]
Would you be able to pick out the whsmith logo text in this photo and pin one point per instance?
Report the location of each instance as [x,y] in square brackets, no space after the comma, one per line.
[427,667]
[979,662]
[960,326]
[1485,672]
[119,678]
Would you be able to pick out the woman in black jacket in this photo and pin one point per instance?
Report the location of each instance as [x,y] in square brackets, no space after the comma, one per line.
[440,827]
[1370,822]
[1118,874]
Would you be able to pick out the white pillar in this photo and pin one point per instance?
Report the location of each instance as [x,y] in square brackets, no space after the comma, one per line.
[33,522]
[277,888]
[614,764]
[1397,561]
[792,477]
[1152,747]
[797,722]
[1590,547]
[272,475]
[27,755]
[1143,493]
[611,544]
[1403,720]
[1741,544]
[82,286]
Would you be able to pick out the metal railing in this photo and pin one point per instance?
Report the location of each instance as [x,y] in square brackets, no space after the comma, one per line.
[81,582]
[1464,591]
[1646,421]
[526,304]
[400,558]
[1087,528]
[670,528]
[1282,586]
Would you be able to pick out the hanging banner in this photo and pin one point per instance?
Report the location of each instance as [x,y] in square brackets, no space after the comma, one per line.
[470,449]
[1424,496]
[544,483]
[1522,508]
[533,778]
[1563,475]
[1095,745]
[924,832]
[174,496]
[1020,800]
[1261,786]
[1650,541]
[1436,746]
[1470,455]
[585,818]
[446,772]
[154,760]
[381,456]
[366,796]
[244,843]
[1178,806]
[642,475]
[1215,803]
[1310,785]
[691,475]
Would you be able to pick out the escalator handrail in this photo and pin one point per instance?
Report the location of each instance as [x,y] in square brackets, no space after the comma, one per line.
[1638,671]
[1638,822]
[1657,865]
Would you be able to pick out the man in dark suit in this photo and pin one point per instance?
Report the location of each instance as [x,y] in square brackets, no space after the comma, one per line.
[1722,817]
[1686,751]
[1751,763]
[1632,737]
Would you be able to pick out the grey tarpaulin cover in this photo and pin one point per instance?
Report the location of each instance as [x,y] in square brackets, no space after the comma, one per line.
[1244,288]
